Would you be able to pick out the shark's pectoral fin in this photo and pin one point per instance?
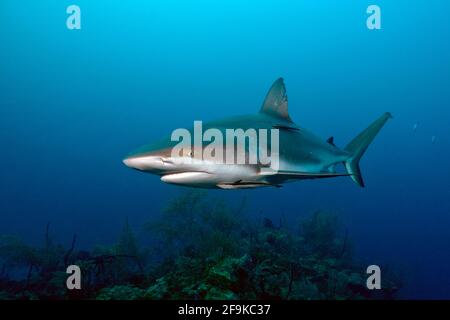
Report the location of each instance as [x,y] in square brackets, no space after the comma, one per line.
[276,102]
[195,177]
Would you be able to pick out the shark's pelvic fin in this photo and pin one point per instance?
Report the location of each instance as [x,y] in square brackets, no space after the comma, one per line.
[276,102]
[359,145]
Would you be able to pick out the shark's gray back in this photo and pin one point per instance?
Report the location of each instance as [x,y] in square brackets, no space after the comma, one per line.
[298,148]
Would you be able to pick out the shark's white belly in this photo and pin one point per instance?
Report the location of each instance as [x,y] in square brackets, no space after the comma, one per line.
[215,176]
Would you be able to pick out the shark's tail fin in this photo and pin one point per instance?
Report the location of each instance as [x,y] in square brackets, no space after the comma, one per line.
[359,145]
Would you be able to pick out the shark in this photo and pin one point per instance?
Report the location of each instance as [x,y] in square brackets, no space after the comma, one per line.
[301,154]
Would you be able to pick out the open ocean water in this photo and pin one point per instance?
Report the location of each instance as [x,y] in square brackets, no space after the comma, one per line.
[73,103]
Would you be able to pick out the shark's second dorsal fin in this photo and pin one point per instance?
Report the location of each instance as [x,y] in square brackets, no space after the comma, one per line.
[276,102]
[330,140]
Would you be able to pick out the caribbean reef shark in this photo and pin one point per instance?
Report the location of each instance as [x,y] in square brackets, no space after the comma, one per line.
[301,155]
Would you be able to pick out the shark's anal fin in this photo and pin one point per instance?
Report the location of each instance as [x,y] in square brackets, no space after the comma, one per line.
[276,101]
[246,185]
[304,175]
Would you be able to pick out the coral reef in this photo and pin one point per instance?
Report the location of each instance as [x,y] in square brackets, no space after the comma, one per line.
[199,248]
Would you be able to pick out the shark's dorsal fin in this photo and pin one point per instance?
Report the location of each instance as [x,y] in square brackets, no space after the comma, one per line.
[276,101]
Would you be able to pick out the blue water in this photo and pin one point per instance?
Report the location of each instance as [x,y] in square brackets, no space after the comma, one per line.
[74,102]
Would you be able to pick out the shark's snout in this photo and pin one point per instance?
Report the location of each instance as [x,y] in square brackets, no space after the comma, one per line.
[146,163]
[129,162]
